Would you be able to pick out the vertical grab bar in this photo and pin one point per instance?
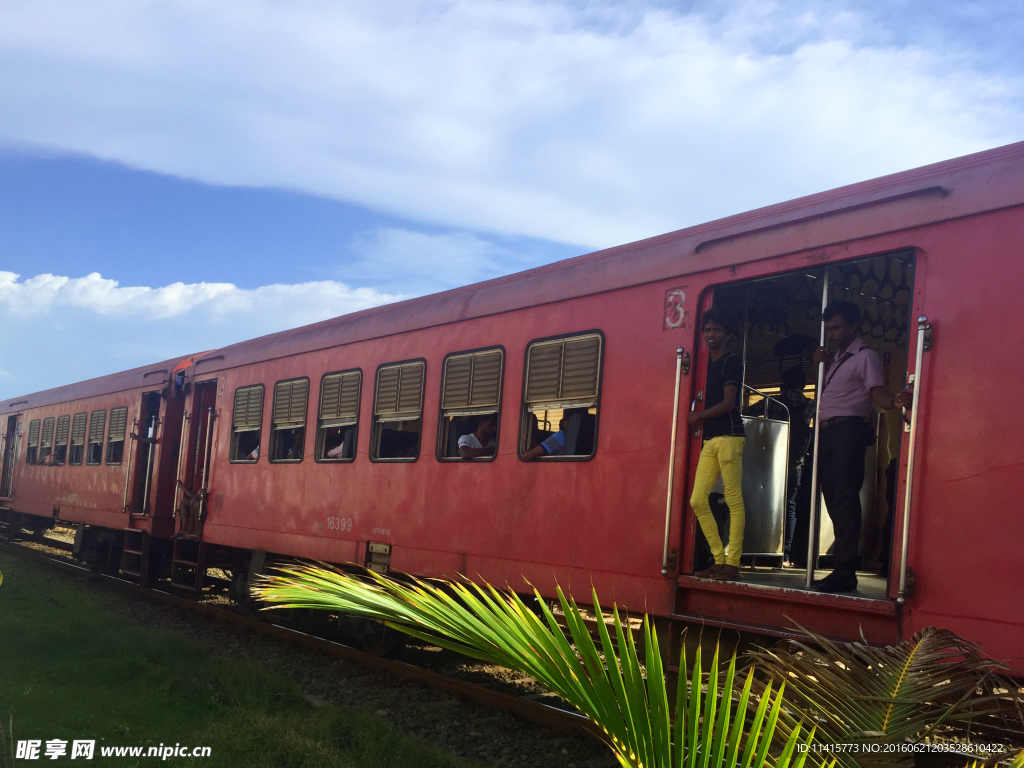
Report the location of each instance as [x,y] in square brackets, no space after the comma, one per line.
[181,452]
[128,467]
[206,451]
[922,328]
[149,466]
[672,462]
[812,538]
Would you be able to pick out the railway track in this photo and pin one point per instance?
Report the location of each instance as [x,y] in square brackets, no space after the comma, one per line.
[532,707]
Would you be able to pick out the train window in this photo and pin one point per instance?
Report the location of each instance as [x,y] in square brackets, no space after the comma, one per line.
[77,439]
[339,416]
[398,412]
[46,442]
[562,388]
[94,448]
[246,423]
[470,397]
[288,420]
[60,447]
[115,435]
[33,442]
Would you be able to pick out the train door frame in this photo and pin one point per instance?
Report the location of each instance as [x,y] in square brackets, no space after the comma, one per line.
[700,364]
[10,456]
[196,442]
[146,428]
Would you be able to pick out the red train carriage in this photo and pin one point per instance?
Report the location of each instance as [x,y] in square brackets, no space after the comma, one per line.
[338,441]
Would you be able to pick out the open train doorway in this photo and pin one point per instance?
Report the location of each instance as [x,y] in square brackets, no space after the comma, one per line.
[779,325]
[10,438]
[194,467]
[146,430]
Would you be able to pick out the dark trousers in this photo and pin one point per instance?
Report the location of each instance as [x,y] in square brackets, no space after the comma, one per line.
[841,450]
[795,475]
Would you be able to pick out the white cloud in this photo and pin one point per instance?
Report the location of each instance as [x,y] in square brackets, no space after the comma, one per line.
[282,306]
[585,123]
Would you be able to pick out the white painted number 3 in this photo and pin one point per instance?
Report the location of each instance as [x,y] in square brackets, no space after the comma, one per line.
[339,523]
[674,314]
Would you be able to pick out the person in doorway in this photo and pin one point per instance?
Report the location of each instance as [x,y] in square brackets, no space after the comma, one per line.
[722,451]
[853,383]
[799,410]
[190,509]
[554,445]
[479,442]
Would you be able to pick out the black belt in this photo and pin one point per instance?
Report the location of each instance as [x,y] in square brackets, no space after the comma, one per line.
[842,420]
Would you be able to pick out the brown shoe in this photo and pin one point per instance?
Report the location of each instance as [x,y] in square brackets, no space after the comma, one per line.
[709,573]
[725,573]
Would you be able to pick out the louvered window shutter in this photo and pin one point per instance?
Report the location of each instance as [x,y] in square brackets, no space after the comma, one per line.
[564,373]
[63,427]
[339,399]
[399,392]
[472,383]
[247,413]
[48,432]
[33,433]
[290,401]
[118,422]
[78,429]
[97,422]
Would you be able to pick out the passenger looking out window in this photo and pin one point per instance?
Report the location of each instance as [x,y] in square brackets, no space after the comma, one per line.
[563,378]
[553,445]
[480,442]
[32,454]
[246,423]
[46,443]
[94,447]
[339,416]
[60,449]
[77,439]
[288,420]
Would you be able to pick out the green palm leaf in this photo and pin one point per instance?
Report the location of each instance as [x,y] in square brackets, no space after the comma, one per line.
[711,726]
[874,696]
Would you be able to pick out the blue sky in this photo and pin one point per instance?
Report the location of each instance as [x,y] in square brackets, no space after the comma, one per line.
[179,176]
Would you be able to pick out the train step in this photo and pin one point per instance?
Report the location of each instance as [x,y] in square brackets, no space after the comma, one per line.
[188,564]
[135,554]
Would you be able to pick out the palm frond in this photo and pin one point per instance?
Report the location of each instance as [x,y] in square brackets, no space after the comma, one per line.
[870,695]
[711,725]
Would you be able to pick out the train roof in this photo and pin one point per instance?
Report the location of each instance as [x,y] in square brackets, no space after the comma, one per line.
[950,189]
[102,385]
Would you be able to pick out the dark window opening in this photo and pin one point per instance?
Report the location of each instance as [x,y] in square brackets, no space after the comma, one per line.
[397,412]
[46,442]
[246,424]
[32,454]
[339,416]
[77,451]
[288,420]
[563,378]
[470,399]
[94,447]
[115,437]
[60,448]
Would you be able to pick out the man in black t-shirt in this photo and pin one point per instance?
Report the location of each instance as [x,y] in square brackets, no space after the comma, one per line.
[722,451]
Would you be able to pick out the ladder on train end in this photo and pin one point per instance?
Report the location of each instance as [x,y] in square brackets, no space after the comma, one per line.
[188,564]
[135,555]
[9,524]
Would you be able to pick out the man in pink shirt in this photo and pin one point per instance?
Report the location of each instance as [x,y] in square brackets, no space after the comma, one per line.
[853,385]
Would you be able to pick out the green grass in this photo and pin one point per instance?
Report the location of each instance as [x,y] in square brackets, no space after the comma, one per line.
[71,667]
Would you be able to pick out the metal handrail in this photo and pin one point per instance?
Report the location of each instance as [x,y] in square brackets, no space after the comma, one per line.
[922,328]
[672,462]
[128,465]
[766,396]
[206,452]
[812,530]
[182,442]
[149,467]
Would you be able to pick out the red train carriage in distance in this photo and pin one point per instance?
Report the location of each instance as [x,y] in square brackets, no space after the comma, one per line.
[339,441]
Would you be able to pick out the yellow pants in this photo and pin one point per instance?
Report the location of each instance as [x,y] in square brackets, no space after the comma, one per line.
[721,456]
